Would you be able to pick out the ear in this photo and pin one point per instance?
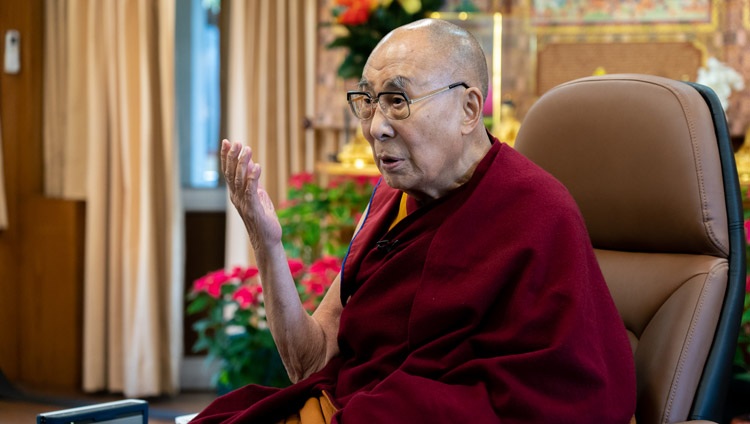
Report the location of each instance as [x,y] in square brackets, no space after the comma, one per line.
[472,108]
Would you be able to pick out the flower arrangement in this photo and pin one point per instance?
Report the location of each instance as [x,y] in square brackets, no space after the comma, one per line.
[319,221]
[367,21]
[317,224]
[721,78]
[234,330]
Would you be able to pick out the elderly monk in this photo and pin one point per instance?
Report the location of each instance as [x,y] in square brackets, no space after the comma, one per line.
[470,292]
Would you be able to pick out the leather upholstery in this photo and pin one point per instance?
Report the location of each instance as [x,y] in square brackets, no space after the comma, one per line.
[661,294]
[639,154]
[648,142]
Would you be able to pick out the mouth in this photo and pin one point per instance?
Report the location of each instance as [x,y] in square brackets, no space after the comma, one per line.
[389,162]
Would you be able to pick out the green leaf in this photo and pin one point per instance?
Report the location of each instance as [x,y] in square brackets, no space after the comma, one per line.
[201,344]
[202,325]
[228,288]
[343,41]
[199,304]
[746,316]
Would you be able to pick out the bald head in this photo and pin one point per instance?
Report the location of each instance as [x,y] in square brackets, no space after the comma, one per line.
[454,48]
[438,144]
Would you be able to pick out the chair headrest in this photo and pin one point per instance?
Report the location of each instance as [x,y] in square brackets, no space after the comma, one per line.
[639,155]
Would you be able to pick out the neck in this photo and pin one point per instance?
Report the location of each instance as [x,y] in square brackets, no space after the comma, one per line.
[477,148]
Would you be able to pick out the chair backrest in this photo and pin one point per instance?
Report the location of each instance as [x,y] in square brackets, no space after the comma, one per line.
[650,164]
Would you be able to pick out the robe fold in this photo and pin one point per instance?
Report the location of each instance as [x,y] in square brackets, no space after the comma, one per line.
[486,305]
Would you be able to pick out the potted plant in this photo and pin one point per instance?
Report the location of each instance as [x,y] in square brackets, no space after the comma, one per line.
[233,328]
[317,224]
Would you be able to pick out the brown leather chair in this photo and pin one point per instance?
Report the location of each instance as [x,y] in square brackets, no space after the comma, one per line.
[650,164]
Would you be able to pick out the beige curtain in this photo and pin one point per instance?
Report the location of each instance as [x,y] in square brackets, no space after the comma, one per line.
[271,78]
[109,138]
[3,202]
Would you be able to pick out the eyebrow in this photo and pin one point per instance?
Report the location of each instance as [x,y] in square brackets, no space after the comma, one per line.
[398,82]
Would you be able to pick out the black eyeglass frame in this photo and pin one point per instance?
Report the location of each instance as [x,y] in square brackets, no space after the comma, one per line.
[409,101]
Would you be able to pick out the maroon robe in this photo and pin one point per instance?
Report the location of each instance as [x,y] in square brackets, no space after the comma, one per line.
[486,305]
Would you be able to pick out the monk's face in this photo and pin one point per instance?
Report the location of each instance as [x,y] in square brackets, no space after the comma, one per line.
[423,154]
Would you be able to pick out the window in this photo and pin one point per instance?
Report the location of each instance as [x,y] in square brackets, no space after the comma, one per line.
[198,117]
[197,76]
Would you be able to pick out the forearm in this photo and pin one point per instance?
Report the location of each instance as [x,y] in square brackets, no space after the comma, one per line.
[299,338]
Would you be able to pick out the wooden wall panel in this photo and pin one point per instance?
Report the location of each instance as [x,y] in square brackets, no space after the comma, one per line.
[52,292]
[41,253]
[204,252]
[9,239]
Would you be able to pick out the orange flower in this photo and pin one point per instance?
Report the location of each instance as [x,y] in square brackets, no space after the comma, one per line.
[357,12]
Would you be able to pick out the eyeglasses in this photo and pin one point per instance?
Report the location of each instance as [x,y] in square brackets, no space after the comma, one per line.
[393,104]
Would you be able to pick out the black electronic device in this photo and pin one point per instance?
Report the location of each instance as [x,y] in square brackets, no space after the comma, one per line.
[129,411]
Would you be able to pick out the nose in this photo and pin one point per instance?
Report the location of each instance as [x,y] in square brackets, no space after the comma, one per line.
[380,126]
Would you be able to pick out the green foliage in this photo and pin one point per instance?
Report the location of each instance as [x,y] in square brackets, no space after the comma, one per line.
[319,221]
[251,359]
[367,28]
[742,355]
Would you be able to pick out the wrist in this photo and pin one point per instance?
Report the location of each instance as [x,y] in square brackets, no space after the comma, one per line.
[265,251]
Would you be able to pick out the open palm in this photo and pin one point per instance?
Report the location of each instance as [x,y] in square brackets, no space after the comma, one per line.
[251,201]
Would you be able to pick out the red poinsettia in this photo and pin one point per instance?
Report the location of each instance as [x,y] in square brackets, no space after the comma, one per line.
[297,181]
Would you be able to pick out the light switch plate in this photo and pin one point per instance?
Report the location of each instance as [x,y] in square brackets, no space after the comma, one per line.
[12,52]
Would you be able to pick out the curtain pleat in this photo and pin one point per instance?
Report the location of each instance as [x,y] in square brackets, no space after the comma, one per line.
[271,58]
[241,46]
[55,84]
[308,69]
[296,87]
[3,201]
[111,99]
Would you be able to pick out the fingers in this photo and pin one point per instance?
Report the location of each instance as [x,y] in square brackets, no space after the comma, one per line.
[229,155]
[253,179]
[230,151]
[236,160]
[245,165]
[225,146]
[247,174]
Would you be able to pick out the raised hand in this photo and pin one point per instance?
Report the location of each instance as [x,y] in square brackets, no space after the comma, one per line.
[251,201]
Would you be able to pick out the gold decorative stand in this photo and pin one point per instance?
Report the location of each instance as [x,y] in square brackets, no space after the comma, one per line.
[354,159]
